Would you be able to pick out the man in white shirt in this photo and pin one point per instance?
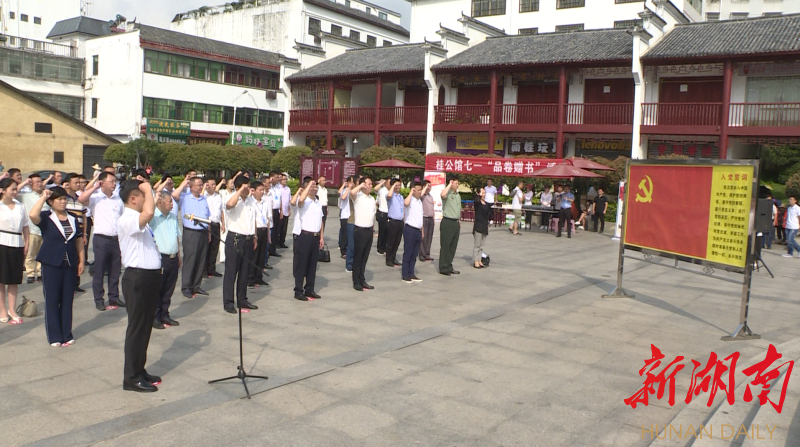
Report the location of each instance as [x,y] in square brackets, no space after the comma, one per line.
[322,195]
[491,192]
[792,226]
[240,245]
[141,282]
[364,222]
[546,200]
[344,213]
[33,269]
[106,210]
[286,197]
[308,243]
[383,214]
[217,226]
[276,192]
[412,232]
[528,202]
[262,234]
[517,197]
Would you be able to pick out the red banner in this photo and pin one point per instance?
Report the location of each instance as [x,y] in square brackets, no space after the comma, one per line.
[512,167]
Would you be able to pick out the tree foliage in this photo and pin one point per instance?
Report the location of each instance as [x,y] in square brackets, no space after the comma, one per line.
[287,159]
[379,153]
[150,153]
[793,186]
[779,163]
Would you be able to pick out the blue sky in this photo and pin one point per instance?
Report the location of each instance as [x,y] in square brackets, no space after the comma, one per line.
[160,13]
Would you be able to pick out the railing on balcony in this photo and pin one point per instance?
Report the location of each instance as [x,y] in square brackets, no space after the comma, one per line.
[603,114]
[681,114]
[526,114]
[404,115]
[39,46]
[467,114]
[765,114]
[354,116]
[307,117]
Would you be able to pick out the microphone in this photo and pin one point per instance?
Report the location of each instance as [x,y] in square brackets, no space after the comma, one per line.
[196,219]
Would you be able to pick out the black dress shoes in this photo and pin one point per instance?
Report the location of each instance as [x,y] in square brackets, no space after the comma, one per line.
[100,306]
[142,386]
[247,305]
[300,297]
[170,321]
[275,254]
[188,295]
[154,380]
[157,324]
[201,292]
[118,303]
[445,273]
[283,246]
[367,286]
[268,267]
[358,287]
[313,295]
[389,264]
[396,263]
[79,290]
[261,282]
[215,274]
[455,272]
[230,310]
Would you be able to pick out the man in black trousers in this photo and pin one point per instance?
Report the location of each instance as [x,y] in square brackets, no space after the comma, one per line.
[286,211]
[262,234]
[382,188]
[166,232]
[141,282]
[364,223]
[394,229]
[275,191]
[239,245]
[196,236]
[308,243]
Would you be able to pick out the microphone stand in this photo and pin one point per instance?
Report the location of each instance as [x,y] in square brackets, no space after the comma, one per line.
[241,374]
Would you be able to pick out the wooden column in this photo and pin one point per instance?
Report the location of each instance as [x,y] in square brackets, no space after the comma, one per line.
[726,109]
[492,102]
[378,94]
[562,97]
[329,136]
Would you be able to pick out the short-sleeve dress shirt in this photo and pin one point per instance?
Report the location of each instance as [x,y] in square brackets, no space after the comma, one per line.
[364,208]
[197,206]
[414,213]
[137,245]
[166,232]
[242,217]
[106,212]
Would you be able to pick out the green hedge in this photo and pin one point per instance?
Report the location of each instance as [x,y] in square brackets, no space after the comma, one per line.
[287,159]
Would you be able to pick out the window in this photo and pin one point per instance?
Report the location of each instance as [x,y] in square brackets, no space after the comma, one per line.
[43,127]
[627,23]
[32,64]
[336,30]
[71,105]
[528,5]
[564,4]
[347,3]
[355,35]
[12,15]
[739,15]
[314,27]
[387,43]
[207,113]
[383,15]
[773,14]
[627,1]
[569,28]
[773,89]
[482,8]
[310,96]
[712,16]
[37,20]
[94,107]
[203,70]
[524,31]
[369,10]
[58,157]
[95,65]
[23,17]
[372,41]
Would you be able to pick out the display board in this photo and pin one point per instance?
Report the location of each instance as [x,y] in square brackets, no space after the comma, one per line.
[697,210]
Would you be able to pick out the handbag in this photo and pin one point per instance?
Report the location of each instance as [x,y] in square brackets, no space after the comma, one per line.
[485,259]
[324,254]
[27,308]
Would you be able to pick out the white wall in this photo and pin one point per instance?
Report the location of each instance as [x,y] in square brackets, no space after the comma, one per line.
[362,6]
[753,8]
[118,85]
[39,86]
[50,11]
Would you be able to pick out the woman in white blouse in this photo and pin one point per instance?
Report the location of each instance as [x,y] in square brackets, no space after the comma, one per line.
[13,248]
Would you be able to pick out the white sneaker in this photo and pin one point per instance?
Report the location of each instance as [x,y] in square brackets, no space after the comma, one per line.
[348,271]
[787,255]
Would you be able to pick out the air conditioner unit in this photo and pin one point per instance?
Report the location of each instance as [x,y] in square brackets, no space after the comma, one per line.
[272,94]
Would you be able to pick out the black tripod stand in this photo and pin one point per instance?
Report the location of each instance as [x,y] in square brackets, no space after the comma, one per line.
[241,374]
[759,238]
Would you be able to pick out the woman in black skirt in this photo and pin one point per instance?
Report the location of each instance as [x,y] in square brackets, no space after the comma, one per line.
[62,261]
[13,248]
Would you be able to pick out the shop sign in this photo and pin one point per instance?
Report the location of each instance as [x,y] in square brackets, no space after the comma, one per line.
[766,69]
[413,142]
[588,144]
[693,150]
[320,142]
[531,146]
[272,142]
[472,143]
[170,128]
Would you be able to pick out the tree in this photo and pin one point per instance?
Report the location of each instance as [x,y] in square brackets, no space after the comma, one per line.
[778,163]
[793,186]
[287,159]
[379,153]
[149,152]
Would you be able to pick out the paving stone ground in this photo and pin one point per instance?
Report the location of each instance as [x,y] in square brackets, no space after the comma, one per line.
[524,353]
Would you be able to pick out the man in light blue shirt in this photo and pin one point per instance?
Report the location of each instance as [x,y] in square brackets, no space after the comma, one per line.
[565,211]
[167,236]
[394,228]
[196,237]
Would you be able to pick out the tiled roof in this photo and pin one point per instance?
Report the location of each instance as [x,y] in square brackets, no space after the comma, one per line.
[369,61]
[358,14]
[208,47]
[763,35]
[551,48]
[82,25]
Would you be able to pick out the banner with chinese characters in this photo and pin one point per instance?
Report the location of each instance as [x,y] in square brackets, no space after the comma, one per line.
[169,128]
[472,143]
[512,167]
[700,211]
[694,150]
[272,142]
[531,146]
[320,142]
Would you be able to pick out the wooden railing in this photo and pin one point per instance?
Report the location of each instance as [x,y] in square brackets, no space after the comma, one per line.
[605,114]
[306,117]
[467,114]
[526,114]
[785,114]
[683,114]
[404,115]
[354,116]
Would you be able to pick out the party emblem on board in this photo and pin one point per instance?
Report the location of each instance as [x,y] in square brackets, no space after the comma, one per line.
[648,192]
